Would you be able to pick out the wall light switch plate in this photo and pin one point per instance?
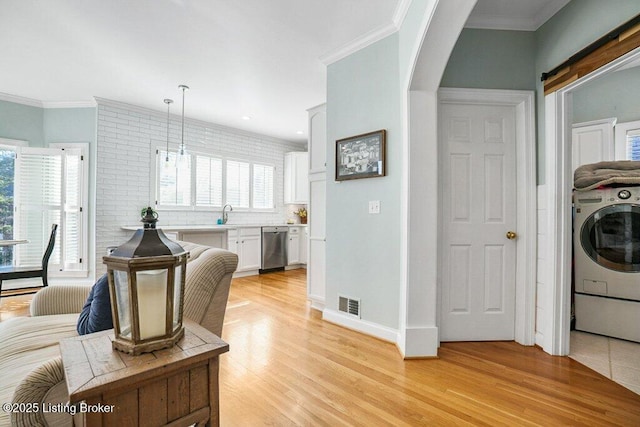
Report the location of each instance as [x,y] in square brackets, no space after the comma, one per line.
[374,206]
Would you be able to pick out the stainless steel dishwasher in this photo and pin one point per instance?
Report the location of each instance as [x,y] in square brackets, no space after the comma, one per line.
[274,248]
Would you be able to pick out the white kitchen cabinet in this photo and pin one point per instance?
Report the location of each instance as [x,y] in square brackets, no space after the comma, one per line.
[317,207]
[318,139]
[296,178]
[247,244]
[293,249]
[304,238]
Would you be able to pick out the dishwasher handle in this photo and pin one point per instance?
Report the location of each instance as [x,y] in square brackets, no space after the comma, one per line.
[275,229]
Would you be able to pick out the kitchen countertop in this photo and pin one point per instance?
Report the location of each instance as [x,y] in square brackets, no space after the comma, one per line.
[212,227]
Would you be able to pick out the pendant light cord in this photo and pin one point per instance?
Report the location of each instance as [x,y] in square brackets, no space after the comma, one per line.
[184,89]
[168,102]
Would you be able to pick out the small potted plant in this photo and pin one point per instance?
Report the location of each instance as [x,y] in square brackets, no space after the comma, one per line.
[302,213]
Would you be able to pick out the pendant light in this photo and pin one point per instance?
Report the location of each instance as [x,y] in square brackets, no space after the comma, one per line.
[166,160]
[183,158]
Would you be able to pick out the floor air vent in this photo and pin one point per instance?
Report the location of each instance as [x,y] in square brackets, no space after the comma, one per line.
[349,305]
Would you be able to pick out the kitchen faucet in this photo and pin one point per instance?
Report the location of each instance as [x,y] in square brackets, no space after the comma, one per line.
[225,214]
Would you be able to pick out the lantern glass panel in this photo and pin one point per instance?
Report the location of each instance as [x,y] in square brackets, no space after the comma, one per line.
[121,280]
[152,302]
[177,296]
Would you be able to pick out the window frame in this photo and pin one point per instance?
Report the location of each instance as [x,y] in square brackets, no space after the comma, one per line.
[621,130]
[75,270]
[155,189]
[252,186]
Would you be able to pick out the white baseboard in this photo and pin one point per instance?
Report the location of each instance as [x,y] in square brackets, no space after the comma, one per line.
[382,332]
[419,342]
[318,305]
[539,339]
[246,273]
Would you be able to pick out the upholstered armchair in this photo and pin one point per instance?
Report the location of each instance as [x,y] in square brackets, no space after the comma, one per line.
[30,366]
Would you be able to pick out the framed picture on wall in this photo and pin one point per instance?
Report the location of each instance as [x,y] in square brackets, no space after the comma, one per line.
[361,156]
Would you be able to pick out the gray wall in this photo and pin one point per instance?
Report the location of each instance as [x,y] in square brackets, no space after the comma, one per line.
[43,126]
[492,59]
[363,250]
[577,25]
[23,122]
[614,95]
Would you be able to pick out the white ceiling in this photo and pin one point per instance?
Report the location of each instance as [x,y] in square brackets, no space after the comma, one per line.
[255,58]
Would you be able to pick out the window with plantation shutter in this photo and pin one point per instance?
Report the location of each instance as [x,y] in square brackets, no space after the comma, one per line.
[633,146]
[262,186]
[173,184]
[50,189]
[208,181]
[627,145]
[237,194]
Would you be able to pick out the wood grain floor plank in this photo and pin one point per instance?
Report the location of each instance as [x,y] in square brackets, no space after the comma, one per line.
[286,366]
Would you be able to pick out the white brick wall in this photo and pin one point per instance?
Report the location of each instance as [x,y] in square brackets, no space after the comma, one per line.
[126,138]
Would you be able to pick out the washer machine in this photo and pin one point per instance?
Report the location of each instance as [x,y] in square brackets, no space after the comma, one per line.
[607,261]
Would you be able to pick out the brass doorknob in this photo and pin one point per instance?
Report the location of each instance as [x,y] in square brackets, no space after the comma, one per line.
[511,235]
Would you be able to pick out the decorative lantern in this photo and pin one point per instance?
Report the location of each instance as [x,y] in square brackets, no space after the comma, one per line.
[146,284]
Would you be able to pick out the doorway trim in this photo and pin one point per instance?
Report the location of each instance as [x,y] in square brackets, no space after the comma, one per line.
[557,301]
[523,101]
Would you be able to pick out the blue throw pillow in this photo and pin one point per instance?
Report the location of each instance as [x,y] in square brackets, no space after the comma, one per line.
[96,313]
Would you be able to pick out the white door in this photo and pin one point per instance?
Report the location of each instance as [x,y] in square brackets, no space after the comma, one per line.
[478,202]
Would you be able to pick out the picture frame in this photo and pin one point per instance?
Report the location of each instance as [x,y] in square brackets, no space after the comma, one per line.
[361,156]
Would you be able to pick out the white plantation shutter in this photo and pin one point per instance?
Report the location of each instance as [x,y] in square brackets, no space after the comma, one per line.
[633,145]
[38,196]
[208,181]
[262,186]
[49,186]
[237,194]
[71,230]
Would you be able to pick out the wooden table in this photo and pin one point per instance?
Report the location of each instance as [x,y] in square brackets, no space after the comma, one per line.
[176,386]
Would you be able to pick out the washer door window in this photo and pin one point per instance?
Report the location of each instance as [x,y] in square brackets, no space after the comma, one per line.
[611,237]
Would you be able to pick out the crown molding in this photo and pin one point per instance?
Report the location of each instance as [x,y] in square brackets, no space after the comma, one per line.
[369,38]
[69,104]
[360,43]
[548,11]
[20,100]
[489,22]
[45,104]
[522,23]
[401,12]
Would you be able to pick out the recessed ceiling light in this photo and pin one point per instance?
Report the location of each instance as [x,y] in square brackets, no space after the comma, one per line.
[299,132]
[246,118]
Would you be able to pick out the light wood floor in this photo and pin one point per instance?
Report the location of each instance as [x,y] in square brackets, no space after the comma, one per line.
[288,367]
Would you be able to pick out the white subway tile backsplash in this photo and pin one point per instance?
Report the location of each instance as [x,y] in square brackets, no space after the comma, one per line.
[126,138]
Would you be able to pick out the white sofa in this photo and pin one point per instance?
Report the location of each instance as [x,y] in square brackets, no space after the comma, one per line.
[30,365]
